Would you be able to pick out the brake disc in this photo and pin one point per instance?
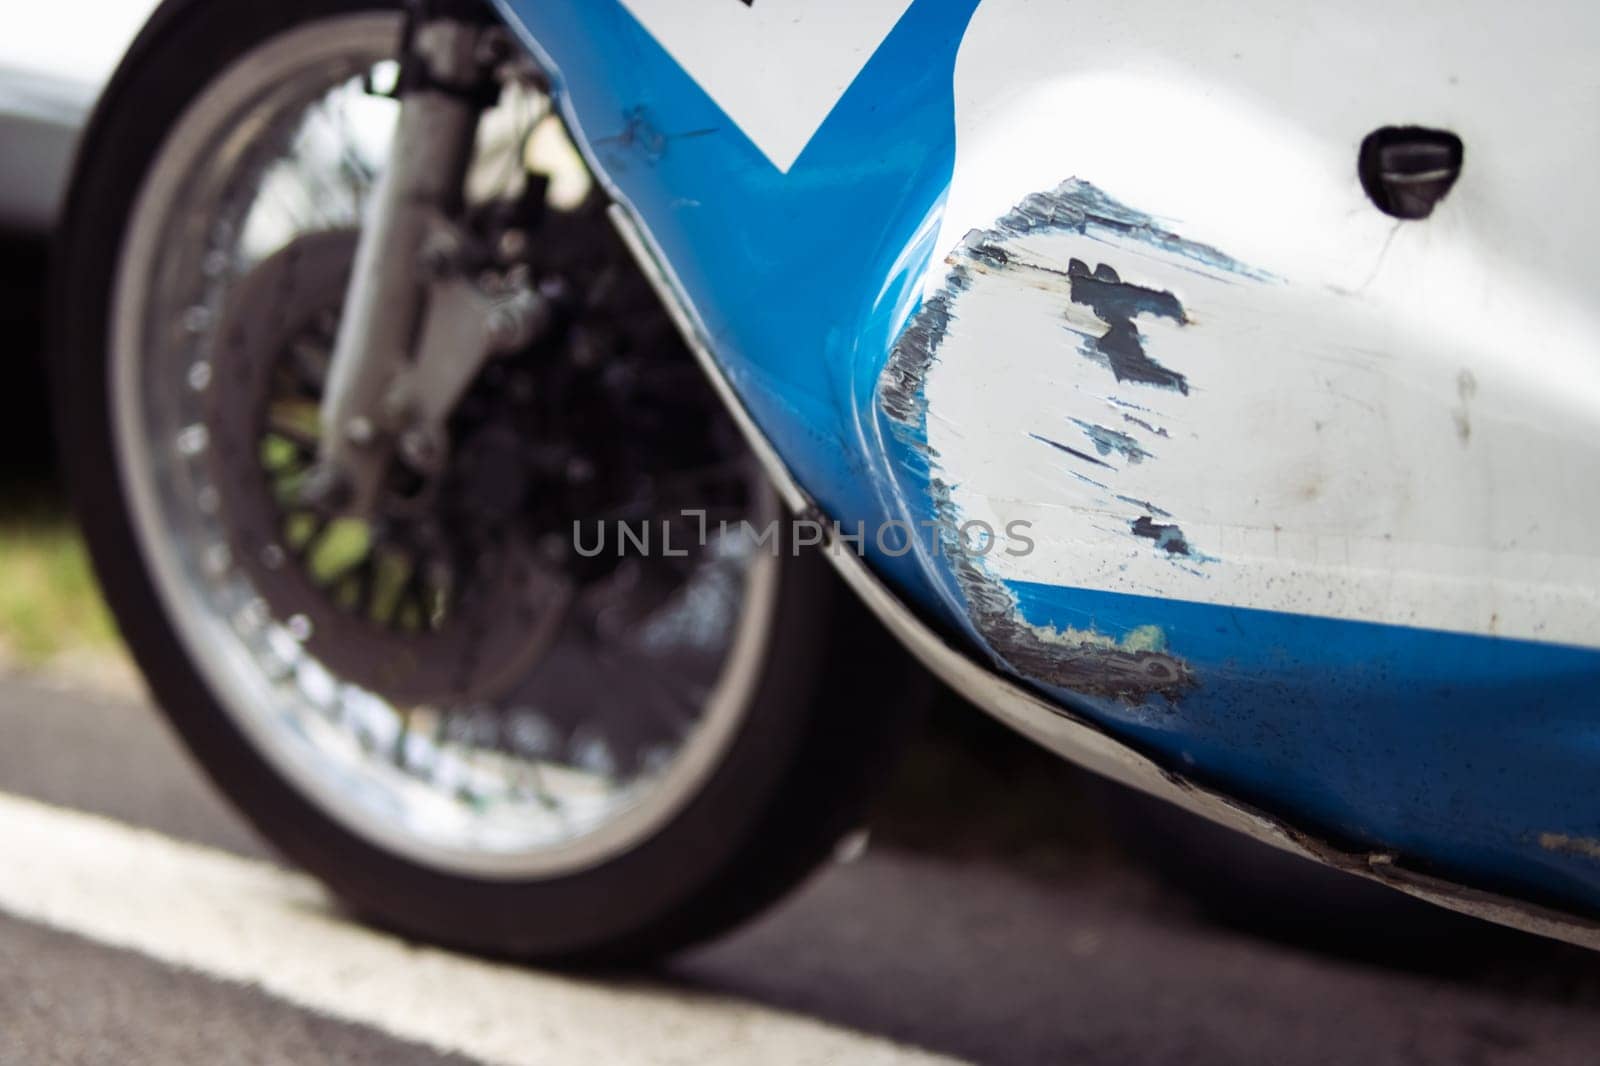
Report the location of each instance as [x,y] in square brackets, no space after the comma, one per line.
[417,604]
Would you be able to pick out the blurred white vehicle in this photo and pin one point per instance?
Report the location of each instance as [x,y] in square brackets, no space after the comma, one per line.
[54,60]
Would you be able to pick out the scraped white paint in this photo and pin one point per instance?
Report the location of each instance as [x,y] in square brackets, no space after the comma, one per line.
[249,922]
[1403,426]
[777,67]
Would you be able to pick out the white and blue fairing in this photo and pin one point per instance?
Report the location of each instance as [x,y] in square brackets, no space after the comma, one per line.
[1308,492]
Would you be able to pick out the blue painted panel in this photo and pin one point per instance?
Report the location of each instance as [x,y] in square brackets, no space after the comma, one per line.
[801,279]
[1458,750]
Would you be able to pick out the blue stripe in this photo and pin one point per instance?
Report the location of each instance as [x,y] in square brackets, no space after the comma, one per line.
[802,280]
[1458,752]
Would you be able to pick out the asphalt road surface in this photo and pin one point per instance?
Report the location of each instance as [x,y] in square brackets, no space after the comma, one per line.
[140,922]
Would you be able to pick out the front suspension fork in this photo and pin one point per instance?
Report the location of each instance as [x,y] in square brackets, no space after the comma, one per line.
[407,245]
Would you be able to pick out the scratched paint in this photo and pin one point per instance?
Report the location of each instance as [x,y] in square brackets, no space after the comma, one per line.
[1085,368]
[1129,667]
[1168,538]
[1067,449]
[1117,304]
[1098,316]
[900,388]
[1107,440]
[1588,847]
[1103,310]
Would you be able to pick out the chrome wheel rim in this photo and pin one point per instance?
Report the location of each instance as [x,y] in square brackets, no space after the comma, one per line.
[568,803]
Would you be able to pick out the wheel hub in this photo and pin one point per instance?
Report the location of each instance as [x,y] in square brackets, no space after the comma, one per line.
[430,601]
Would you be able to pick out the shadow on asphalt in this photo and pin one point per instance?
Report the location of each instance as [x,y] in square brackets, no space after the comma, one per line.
[975,963]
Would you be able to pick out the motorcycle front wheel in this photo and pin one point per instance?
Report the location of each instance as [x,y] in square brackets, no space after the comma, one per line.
[470,725]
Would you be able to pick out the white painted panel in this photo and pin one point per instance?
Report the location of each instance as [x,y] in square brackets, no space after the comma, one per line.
[1403,426]
[777,67]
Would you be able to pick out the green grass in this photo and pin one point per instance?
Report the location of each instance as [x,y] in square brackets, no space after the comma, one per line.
[50,605]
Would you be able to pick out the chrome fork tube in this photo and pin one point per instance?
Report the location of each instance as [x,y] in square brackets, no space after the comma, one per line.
[405,242]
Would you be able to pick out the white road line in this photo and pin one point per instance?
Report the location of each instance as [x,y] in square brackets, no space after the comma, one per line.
[249,922]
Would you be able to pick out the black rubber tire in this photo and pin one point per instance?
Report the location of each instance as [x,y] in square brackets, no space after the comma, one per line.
[832,704]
